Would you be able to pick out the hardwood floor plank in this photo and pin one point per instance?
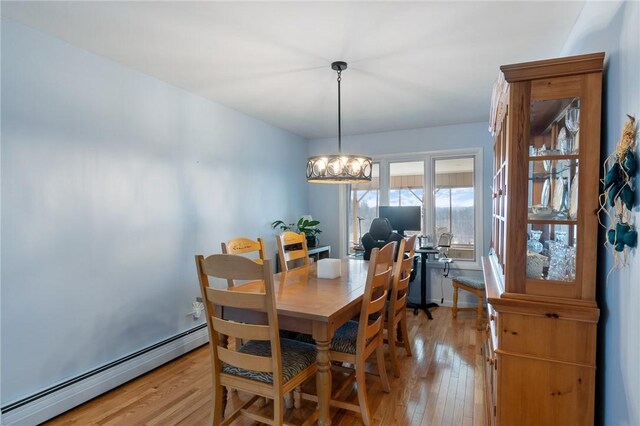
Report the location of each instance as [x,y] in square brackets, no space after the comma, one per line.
[441,384]
[478,390]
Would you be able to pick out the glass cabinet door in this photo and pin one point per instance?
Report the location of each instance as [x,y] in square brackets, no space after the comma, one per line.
[553,182]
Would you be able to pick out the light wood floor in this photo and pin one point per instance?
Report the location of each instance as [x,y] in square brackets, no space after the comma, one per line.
[440,385]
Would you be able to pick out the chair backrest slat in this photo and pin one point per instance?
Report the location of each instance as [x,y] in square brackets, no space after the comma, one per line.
[246,361]
[295,254]
[373,328]
[379,281]
[240,330]
[243,245]
[377,305]
[255,301]
[234,267]
[286,254]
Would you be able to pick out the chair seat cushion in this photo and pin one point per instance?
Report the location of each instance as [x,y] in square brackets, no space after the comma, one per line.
[344,339]
[470,282]
[296,356]
[306,338]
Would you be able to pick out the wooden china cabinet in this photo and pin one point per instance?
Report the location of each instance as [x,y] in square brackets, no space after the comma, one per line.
[540,275]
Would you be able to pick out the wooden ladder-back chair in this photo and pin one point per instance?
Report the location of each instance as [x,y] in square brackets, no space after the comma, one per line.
[397,332]
[266,365]
[356,341]
[285,241]
[242,246]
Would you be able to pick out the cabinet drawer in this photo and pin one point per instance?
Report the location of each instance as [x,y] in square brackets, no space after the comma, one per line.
[536,392]
[548,338]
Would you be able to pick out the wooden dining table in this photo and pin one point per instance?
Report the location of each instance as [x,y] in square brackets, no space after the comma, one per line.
[317,306]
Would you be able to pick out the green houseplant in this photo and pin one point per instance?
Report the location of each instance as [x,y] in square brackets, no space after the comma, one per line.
[309,227]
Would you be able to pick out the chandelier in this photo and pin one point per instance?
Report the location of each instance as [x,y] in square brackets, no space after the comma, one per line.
[340,167]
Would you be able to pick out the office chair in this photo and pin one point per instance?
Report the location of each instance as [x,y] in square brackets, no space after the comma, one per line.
[380,233]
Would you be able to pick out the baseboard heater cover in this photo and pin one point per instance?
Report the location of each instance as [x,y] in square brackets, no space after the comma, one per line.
[64,396]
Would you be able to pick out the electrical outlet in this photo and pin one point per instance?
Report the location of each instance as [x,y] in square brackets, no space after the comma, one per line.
[198,308]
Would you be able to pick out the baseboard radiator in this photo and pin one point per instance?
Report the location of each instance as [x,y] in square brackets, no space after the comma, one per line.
[57,399]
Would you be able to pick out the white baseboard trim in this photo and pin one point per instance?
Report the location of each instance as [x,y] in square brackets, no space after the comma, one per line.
[58,402]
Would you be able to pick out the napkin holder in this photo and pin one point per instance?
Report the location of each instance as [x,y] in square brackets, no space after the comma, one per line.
[329,268]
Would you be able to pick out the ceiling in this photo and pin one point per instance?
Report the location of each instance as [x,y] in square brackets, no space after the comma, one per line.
[411,64]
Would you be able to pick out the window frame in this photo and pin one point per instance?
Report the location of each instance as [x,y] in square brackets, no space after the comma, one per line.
[429,158]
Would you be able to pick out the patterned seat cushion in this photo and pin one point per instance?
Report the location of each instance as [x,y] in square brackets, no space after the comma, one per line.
[470,282]
[306,338]
[344,339]
[296,356]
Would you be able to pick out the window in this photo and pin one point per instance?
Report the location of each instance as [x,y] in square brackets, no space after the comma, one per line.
[445,184]
[364,199]
[406,186]
[454,204]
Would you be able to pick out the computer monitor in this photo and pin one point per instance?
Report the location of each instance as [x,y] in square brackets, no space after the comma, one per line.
[402,218]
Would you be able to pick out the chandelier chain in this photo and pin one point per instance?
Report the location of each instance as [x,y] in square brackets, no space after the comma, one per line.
[339,115]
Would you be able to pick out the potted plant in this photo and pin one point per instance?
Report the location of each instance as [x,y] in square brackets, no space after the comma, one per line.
[309,227]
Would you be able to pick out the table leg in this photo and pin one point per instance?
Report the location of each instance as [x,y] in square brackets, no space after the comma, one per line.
[423,290]
[323,381]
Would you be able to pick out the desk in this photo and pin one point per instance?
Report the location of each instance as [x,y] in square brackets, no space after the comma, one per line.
[424,258]
[317,306]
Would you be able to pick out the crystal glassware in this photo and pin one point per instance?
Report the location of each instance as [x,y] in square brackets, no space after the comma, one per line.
[572,120]
[557,254]
[562,141]
[561,237]
[562,258]
[534,245]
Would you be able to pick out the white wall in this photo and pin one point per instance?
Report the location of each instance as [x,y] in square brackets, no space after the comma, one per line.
[614,27]
[324,199]
[111,182]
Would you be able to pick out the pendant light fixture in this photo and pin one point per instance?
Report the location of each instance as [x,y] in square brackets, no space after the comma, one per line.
[340,167]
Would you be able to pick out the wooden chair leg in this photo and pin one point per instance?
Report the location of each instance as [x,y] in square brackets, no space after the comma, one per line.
[297,397]
[278,410]
[362,394]
[218,405]
[391,337]
[288,401]
[454,309]
[405,333]
[382,370]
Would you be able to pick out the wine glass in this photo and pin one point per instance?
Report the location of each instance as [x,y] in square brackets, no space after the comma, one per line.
[572,120]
